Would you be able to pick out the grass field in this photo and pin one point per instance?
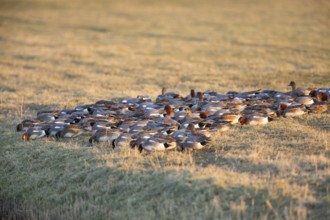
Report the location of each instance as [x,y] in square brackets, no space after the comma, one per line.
[58,54]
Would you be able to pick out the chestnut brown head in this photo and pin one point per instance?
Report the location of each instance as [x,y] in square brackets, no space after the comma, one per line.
[25,137]
[168,109]
[203,115]
[200,96]
[242,120]
[321,96]
[192,93]
[283,106]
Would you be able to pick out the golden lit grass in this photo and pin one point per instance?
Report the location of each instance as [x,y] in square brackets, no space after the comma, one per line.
[56,54]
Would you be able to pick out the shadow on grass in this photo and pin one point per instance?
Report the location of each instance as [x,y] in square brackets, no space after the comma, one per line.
[206,158]
[60,181]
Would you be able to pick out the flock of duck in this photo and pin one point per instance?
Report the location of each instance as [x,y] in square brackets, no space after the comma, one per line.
[173,121]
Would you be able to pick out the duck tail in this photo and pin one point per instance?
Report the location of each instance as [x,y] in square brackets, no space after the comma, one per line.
[167,145]
[47,132]
[206,141]
[133,144]
[19,127]
[58,135]
[270,119]
[140,148]
[113,143]
[312,93]
[92,140]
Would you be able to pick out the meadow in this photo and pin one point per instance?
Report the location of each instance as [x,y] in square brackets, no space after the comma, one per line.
[58,54]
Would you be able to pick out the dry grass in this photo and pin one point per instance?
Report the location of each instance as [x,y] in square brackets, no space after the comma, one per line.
[56,54]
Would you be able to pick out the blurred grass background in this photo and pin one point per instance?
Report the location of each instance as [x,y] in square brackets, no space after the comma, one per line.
[56,54]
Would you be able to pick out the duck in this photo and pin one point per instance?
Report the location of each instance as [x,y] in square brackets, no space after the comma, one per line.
[56,127]
[248,94]
[153,113]
[104,135]
[299,91]
[26,124]
[292,110]
[324,91]
[219,126]
[199,103]
[304,100]
[195,140]
[144,98]
[255,119]
[139,138]
[33,133]
[180,136]
[47,117]
[70,131]
[320,105]
[213,123]
[261,109]
[138,126]
[167,96]
[168,118]
[212,108]
[191,98]
[123,140]
[180,114]
[318,108]
[158,143]
[99,125]
[231,117]
[190,118]
[322,97]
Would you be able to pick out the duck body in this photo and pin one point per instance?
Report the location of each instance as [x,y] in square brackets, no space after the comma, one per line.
[26,124]
[158,143]
[70,131]
[255,120]
[123,140]
[299,91]
[305,100]
[104,135]
[195,140]
[292,110]
[318,108]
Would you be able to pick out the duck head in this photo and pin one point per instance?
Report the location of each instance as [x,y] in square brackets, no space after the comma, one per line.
[242,120]
[281,109]
[192,93]
[168,110]
[321,96]
[203,115]
[283,106]
[19,127]
[200,96]
[188,111]
[292,84]
[163,90]
[26,137]
[140,148]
